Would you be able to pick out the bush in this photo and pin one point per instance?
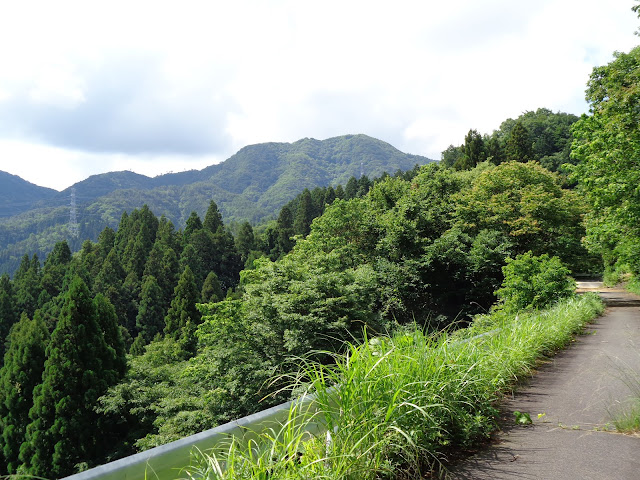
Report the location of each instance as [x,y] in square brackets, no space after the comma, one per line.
[533,282]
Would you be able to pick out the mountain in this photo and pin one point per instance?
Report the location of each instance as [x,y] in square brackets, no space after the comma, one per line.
[18,195]
[252,185]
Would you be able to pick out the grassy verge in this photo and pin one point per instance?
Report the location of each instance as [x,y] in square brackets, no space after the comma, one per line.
[401,403]
[633,285]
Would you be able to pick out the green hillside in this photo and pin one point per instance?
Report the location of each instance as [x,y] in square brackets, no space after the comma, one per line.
[251,185]
[18,195]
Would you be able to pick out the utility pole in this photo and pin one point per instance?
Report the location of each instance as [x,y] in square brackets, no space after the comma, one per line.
[74,229]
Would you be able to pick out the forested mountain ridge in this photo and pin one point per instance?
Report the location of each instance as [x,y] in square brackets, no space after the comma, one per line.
[18,195]
[251,185]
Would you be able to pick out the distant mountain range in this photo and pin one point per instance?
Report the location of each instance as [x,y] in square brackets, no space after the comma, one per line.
[251,185]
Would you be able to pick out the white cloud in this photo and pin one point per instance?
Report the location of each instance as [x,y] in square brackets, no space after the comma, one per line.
[143,84]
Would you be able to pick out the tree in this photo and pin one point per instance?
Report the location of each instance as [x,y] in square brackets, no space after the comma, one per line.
[533,282]
[284,232]
[211,290]
[329,196]
[351,189]
[62,432]
[473,151]
[150,319]
[245,241]
[20,374]
[142,230]
[607,146]
[55,267]
[451,156]
[494,149]
[8,309]
[27,285]
[519,147]
[108,323]
[193,225]
[527,204]
[304,214]
[183,314]
[213,218]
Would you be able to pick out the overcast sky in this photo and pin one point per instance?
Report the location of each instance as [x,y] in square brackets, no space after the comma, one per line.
[89,87]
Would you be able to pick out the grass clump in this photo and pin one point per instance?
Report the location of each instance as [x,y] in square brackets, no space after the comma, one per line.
[395,406]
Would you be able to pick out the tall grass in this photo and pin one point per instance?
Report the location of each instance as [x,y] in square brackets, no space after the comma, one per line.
[394,407]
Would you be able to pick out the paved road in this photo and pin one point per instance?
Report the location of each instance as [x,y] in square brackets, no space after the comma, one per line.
[579,392]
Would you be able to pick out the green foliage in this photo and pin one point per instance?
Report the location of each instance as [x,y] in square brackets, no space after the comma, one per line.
[526,203]
[151,312]
[539,135]
[8,310]
[519,146]
[474,152]
[245,241]
[395,407]
[213,218]
[20,374]
[183,315]
[304,214]
[79,367]
[607,146]
[534,282]
[212,290]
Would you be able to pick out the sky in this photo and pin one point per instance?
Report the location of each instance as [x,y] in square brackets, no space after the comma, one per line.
[88,87]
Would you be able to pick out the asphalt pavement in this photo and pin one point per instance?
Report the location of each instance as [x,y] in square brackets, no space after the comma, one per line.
[572,400]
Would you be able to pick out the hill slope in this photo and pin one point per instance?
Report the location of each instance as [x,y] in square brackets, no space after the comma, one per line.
[252,185]
[18,195]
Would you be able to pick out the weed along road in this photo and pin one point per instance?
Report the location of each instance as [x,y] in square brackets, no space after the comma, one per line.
[573,400]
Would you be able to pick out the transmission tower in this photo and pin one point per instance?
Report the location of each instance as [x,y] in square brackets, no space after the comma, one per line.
[74,230]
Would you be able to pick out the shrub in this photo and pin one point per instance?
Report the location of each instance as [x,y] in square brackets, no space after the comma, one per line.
[533,282]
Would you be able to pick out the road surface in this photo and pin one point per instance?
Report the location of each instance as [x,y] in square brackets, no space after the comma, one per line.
[572,400]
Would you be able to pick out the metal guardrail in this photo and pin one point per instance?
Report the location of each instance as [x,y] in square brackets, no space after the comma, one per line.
[166,461]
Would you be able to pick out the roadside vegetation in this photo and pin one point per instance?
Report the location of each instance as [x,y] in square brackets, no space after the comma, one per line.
[396,406]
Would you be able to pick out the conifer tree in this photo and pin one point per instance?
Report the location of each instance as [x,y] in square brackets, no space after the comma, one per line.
[8,309]
[364,185]
[191,258]
[284,232]
[213,218]
[143,226]
[21,372]
[245,241]
[211,290]
[108,322]
[318,196]
[519,147]
[63,432]
[167,234]
[193,224]
[330,196]
[183,311]
[304,214]
[351,189]
[122,234]
[226,261]
[150,319]
[27,285]
[106,242]
[169,275]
